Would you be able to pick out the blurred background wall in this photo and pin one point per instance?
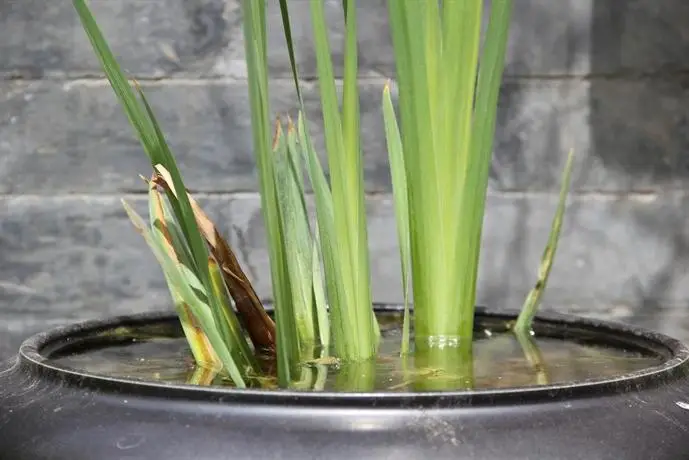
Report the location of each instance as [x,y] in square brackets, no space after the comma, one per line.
[607,78]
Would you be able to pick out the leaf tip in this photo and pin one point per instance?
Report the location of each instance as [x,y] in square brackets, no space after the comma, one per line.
[212,263]
[290,125]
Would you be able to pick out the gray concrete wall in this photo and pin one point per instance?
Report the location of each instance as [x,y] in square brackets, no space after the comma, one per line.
[607,78]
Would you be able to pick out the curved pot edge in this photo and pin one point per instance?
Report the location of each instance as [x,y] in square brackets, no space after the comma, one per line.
[677,366]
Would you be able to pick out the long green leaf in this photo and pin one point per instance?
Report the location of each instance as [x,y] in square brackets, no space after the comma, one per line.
[287,29]
[344,241]
[118,81]
[255,46]
[140,117]
[180,202]
[368,329]
[295,227]
[447,119]
[324,212]
[326,234]
[399,187]
[472,196]
[344,159]
[409,21]
[320,305]
[297,157]
[334,144]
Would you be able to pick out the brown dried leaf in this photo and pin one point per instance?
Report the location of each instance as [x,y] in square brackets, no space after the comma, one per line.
[160,216]
[259,325]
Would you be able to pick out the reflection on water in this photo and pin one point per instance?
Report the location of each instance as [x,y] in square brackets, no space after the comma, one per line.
[500,360]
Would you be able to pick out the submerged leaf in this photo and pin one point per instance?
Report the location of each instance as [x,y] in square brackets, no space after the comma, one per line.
[534,357]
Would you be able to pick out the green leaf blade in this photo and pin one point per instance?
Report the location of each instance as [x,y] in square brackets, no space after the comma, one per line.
[295,227]
[117,79]
[472,196]
[525,319]
[399,186]
[255,47]
[325,221]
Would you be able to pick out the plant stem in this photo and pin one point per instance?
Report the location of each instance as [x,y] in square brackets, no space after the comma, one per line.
[528,312]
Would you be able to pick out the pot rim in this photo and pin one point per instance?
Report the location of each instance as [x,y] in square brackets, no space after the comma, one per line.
[32,359]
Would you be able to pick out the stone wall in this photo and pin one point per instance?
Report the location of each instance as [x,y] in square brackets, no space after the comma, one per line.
[607,78]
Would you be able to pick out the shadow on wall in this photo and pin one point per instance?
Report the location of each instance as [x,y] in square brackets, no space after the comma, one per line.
[522,129]
[629,121]
[640,54]
[640,132]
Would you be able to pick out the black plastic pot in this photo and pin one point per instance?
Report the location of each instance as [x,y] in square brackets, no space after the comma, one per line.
[49,413]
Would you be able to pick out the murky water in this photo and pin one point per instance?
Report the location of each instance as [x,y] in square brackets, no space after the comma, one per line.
[499,361]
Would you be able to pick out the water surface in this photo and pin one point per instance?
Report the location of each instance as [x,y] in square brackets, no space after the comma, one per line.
[499,361]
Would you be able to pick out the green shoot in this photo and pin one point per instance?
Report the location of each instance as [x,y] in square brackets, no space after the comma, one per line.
[399,187]
[295,228]
[325,232]
[320,305]
[340,207]
[347,188]
[528,312]
[310,307]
